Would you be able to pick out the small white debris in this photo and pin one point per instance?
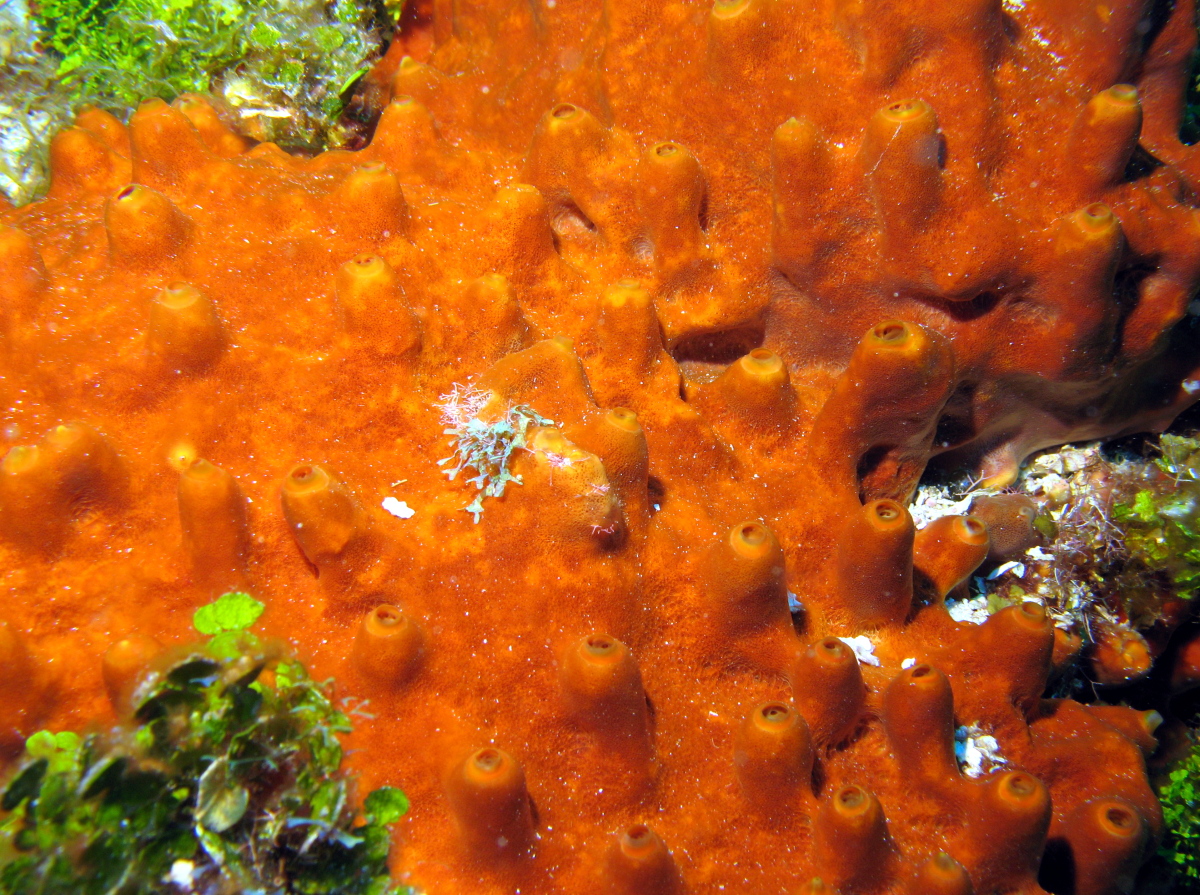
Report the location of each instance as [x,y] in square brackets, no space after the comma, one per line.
[934,501]
[1052,485]
[794,604]
[1049,474]
[182,874]
[863,648]
[398,508]
[978,753]
[908,663]
[1077,459]
[973,610]
[1047,463]
[1191,386]
[1017,568]
[1038,553]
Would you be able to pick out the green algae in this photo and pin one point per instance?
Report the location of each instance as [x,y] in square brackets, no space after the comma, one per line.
[227,779]
[282,66]
[279,70]
[1180,848]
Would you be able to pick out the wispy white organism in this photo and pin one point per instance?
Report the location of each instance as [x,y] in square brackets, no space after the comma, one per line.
[462,403]
[485,447]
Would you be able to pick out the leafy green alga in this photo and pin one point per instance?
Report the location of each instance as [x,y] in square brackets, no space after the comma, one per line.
[228,779]
[1181,822]
[281,66]
[1161,524]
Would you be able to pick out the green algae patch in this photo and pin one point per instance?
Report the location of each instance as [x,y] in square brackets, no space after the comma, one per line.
[1180,796]
[283,68]
[228,778]
[1161,530]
